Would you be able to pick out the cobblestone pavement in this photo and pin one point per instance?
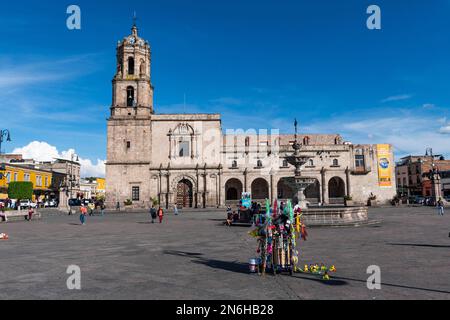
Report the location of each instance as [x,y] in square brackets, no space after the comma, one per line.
[193,256]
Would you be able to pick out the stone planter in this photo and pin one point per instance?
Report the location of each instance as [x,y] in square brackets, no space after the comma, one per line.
[349,203]
[372,203]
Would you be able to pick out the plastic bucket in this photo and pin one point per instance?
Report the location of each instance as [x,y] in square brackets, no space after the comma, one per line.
[252,265]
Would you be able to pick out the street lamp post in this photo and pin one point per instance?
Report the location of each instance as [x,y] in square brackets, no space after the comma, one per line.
[4,134]
[71,179]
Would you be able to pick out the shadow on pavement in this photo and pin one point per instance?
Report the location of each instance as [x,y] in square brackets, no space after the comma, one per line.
[182,253]
[234,266]
[419,245]
[396,285]
[332,282]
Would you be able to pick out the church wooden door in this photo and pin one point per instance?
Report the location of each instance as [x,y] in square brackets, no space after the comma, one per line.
[184,194]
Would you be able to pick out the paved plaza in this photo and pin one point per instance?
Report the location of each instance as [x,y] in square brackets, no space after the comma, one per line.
[193,256]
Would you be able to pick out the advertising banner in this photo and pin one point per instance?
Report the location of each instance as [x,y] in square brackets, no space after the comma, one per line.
[384,165]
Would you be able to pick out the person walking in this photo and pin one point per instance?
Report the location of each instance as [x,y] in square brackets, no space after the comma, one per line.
[30,213]
[440,206]
[153,213]
[160,214]
[83,212]
[175,209]
[102,209]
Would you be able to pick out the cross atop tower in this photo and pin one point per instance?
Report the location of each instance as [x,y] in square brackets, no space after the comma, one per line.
[134,28]
[134,19]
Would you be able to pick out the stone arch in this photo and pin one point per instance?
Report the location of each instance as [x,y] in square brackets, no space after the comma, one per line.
[260,189]
[180,177]
[336,190]
[130,96]
[185,194]
[286,189]
[233,189]
[312,193]
[130,65]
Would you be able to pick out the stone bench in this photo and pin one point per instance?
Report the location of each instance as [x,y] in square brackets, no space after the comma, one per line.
[12,215]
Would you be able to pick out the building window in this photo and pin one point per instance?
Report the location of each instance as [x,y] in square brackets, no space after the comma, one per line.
[183,149]
[285,163]
[259,164]
[131,66]
[8,177]
[335,163]
[135,193]
[306,141]
[16,176]
[38,181]
[311,163]
[247,142]
[234,164]
[399,182]
[26,177]
[359,161]
[130,97]
[46,181]
[128,144]
[404,181]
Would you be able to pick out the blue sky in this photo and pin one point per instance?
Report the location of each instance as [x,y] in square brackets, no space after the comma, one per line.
[259,63]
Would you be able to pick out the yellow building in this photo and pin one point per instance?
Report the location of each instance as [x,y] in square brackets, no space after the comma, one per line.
[101,185]
[41,179]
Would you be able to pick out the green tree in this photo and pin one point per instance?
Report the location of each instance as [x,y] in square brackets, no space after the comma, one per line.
[20,190]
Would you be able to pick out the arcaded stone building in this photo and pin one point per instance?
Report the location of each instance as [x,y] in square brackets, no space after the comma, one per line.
[187,159]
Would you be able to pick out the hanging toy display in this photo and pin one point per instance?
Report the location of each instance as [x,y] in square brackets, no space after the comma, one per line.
[277,231]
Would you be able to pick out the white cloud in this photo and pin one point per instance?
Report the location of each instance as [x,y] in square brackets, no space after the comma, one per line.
[397,98]
[409,133]
[42,151]
[445,129]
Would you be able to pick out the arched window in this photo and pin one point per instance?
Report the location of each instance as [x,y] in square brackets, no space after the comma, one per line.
[285,163]
[183,150]
[131,66]
[259,164]
[311,163]
[306,141]
[234,164]
[247,141]
[130,96]
[335,163]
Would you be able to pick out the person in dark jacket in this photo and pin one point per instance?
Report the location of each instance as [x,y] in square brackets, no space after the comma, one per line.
[153,213]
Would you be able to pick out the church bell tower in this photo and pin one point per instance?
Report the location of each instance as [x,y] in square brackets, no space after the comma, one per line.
[129,131]
[132,88]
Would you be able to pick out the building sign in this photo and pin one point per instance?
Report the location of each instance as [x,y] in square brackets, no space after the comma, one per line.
[246,199]
[384,165]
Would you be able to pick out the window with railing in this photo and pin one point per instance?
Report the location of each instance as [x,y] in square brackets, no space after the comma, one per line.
[135,193]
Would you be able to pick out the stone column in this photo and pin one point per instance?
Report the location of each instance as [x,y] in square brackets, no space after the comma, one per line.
[325,199]
[205,191]
[168,194]
[347,176]
[220,185]
[245,180]
[197,193]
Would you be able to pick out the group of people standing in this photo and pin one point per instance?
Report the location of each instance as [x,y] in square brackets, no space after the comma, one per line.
[159,213]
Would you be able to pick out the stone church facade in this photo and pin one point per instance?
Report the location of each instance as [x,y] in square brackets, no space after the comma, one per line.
[186,159]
